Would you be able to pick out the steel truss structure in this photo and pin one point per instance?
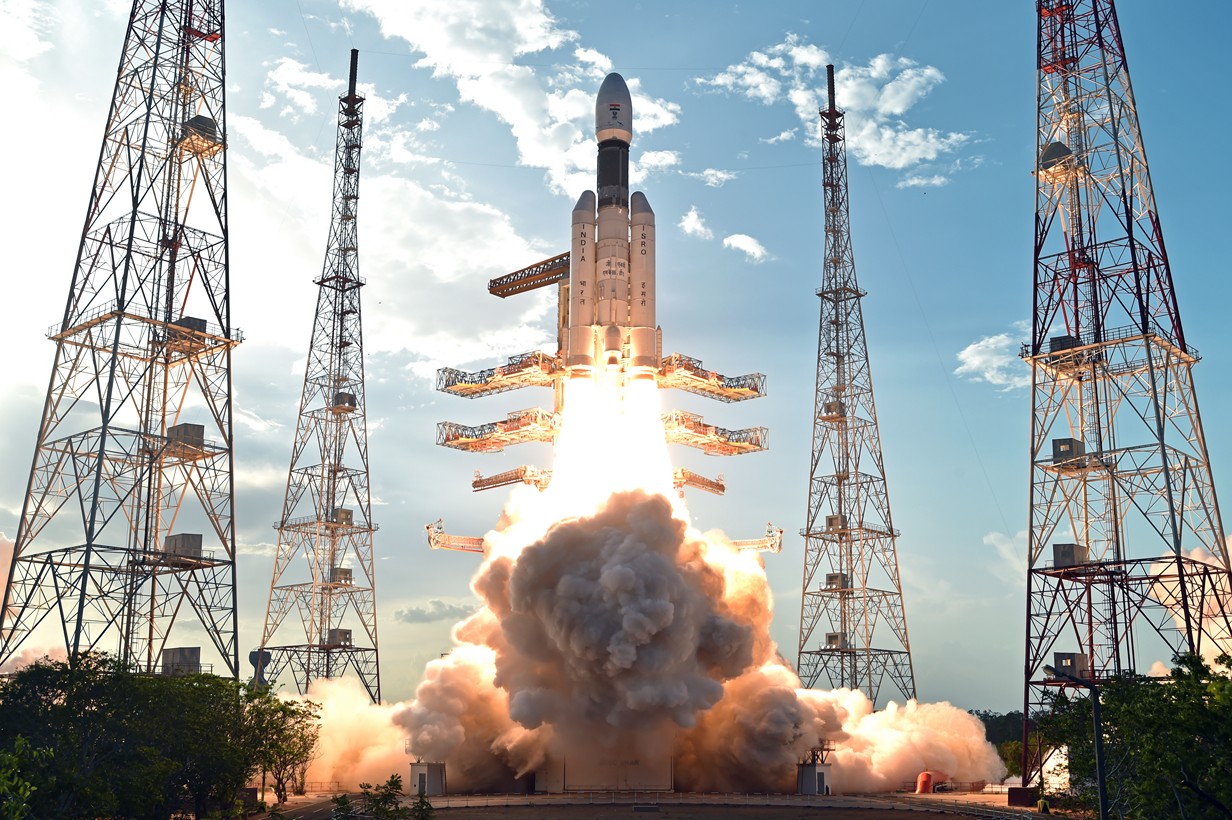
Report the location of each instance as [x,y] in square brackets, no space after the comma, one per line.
[126,529]
[327,512]
[1126,542]
[851,577]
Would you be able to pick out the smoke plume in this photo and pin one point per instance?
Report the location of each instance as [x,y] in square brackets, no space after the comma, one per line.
[629,623]
[612,633]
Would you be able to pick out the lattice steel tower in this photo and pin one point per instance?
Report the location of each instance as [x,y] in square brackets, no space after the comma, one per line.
[327,513]
[126,530]
[851,579]
[1127,560]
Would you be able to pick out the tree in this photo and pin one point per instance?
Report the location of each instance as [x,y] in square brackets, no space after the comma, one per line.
[343,809]
[91,714]
[15,789]
[289,731]
[384,802]
[122,744]
[1167,744]
[422,809]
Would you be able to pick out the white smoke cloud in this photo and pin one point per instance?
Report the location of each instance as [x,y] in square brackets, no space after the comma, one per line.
[1214,609]
[747,245]
[693,224]
[628,623]
[31,655]
[360,741]
[298,85]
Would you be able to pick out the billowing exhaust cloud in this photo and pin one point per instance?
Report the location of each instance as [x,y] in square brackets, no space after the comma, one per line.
[628,623]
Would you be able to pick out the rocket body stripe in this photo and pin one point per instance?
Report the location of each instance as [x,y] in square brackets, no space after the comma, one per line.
[582,285]
[643,346]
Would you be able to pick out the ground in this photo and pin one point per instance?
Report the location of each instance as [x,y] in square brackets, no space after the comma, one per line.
[664,807]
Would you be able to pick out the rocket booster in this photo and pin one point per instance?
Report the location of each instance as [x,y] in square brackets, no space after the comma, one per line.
[612,256]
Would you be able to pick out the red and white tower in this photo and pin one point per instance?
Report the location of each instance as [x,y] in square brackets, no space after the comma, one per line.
[1127,562]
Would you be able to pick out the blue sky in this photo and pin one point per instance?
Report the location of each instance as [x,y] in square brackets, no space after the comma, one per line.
[477,144]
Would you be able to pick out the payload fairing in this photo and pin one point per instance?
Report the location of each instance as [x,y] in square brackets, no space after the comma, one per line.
[612,258]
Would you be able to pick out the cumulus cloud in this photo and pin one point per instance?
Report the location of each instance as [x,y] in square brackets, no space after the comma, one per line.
[435,610]
[410,230]
[1011,553]
[298,85]
[693,224]
[713,177]
[786,135]
[658,159]
[876,97]
[22,24]
[747,245]
[922,181]
[549,112]
[994,359]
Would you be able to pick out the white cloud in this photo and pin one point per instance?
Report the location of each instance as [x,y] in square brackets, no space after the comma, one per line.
[786,135]
[749,80]
[436,610]
[297,84]
[692,224]
[651,161]
[921,181]
[658,159]
[22,23]
[1011,564]
[714,177]
[411,232]
[994,359]
[747,245]
[875,96]
[549,113]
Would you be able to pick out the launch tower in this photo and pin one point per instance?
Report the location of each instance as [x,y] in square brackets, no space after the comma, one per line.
[852,625]
[1127,562]
[127,529]
[327,512]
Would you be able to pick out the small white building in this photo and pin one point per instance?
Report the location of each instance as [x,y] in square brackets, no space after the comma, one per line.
[813,771]
[427,779]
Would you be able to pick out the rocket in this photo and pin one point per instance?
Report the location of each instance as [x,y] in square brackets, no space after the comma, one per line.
[612,256]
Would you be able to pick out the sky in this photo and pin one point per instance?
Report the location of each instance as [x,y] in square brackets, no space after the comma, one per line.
[477,143]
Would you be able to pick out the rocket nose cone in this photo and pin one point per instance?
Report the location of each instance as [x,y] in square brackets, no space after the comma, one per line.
[639,204]
[614,110]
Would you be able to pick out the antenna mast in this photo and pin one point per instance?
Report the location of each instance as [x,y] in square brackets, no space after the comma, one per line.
[327,512]
[851,587]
